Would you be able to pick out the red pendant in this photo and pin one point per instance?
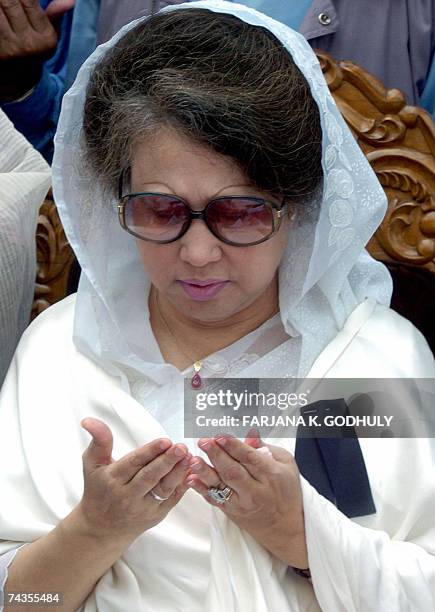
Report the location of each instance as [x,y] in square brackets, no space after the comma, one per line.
[196,381]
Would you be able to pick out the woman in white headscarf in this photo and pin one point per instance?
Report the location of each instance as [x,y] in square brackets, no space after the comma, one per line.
[204,106]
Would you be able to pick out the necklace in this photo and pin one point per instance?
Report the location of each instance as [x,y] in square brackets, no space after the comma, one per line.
[196,380]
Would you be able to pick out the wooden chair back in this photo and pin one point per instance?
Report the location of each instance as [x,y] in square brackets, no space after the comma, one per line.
[399,142]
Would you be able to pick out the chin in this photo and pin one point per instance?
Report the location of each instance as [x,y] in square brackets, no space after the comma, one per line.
[207,312]
[216,310]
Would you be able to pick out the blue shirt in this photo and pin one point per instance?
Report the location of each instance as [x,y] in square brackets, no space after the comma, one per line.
[83,36]
[290,12]
[392,39]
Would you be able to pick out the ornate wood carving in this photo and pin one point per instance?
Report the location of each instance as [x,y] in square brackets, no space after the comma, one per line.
[399,142]
[54,258]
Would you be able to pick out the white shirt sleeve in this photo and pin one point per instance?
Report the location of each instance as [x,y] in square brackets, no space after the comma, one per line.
[358,569]
[5,561]
[24,182]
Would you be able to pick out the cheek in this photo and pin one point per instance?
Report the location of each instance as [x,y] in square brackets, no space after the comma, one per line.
[258,265]
[157,260]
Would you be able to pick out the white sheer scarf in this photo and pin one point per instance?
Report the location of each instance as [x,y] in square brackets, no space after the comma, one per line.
[325,272]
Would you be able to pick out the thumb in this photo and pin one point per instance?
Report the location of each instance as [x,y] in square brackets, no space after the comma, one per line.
[99,451]
[57,8]
[280,454]
[253,438]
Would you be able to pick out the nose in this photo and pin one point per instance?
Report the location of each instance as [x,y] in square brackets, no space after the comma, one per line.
[198,246]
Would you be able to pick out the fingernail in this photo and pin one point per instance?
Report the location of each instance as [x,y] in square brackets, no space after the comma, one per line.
[221,441]
[195,467]
[205,445]
[179,452]
[190,482]
[185,462]
[264,450]
[164,444]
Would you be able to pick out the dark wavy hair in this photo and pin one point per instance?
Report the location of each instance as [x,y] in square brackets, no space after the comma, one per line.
[224,83]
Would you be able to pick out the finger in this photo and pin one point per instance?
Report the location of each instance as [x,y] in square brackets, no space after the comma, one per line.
[281,454]
[35,15]
[230,471]
[99,451]
[16,16]
[193,482]
[148,477]
[174,498]
[6,32]
[253,438]
[57,8]
[258,464]
[167,485]
[125,468]
[204,472]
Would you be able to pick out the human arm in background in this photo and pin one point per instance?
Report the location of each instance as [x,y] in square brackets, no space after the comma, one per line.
[31,85]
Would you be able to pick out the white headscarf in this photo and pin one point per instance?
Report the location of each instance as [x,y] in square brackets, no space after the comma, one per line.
[325,272]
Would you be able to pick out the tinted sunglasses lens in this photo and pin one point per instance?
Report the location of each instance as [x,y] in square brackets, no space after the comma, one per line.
[155,217]
[241,220]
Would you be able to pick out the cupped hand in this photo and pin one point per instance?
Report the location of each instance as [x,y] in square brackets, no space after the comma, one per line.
[117,501]
[28,37]
[266,500]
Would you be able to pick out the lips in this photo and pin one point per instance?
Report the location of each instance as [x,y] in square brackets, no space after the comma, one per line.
[201,291]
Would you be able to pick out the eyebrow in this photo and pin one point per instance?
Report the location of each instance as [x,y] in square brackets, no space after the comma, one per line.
[256,191]
[247,185]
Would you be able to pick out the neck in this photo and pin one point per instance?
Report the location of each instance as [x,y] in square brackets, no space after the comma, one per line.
[183,340]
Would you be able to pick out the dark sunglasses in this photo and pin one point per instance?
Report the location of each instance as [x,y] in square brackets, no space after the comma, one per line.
[164,218]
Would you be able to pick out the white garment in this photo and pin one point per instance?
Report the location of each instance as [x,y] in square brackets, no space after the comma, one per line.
[384,561]
[24,182]
[98,359]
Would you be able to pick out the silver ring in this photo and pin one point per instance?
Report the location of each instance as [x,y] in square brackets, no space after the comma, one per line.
[220,496]
[157,497]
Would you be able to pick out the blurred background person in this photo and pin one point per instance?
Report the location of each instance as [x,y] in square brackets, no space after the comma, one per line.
[34,41]
[24,182]
[43,43]
[393,39]
[114,14]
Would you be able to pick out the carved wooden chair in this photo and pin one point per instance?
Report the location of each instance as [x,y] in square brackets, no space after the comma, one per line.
[399,142]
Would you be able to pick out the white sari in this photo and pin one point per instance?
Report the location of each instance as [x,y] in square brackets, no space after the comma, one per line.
[380,561]
[334,321]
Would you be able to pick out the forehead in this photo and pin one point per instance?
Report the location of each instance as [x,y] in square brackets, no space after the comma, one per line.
[170,159]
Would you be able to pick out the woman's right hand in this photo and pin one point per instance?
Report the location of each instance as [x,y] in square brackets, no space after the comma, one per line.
[117,501]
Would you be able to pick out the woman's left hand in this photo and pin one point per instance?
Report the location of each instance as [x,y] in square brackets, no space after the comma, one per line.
[267,498]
